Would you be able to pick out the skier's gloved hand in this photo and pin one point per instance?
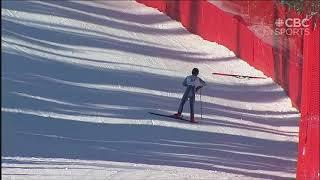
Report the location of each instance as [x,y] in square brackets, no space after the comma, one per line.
[197,88]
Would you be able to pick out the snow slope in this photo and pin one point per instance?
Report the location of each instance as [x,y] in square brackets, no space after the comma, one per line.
[79,77]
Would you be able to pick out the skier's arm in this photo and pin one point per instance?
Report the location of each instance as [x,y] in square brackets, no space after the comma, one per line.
[185,82]
[202,82]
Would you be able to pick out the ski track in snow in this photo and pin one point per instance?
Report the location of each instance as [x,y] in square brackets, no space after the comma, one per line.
[80,76]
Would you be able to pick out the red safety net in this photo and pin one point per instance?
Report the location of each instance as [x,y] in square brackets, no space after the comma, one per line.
[308,158]
[265,34]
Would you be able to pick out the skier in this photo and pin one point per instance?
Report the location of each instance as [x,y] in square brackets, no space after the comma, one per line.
[193,84]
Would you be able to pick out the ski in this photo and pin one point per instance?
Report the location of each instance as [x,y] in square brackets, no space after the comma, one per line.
[171,116]
[238,76]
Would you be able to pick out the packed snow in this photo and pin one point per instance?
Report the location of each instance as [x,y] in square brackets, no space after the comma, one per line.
[79,78]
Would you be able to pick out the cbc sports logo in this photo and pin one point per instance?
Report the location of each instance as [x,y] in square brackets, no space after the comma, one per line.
[291,26]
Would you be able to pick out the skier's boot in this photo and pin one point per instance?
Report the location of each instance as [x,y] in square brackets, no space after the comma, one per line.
[177,115]
[192,120]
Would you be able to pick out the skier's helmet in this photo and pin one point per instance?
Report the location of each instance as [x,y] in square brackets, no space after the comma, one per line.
[195,71]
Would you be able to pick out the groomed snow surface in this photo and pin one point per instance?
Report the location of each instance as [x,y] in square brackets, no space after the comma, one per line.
[79,77]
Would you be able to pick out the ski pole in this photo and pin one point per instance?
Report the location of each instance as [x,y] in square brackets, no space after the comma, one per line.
[200,103]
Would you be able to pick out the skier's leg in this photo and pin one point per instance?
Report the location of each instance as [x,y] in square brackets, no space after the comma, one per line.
[192,100]
[184,99]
